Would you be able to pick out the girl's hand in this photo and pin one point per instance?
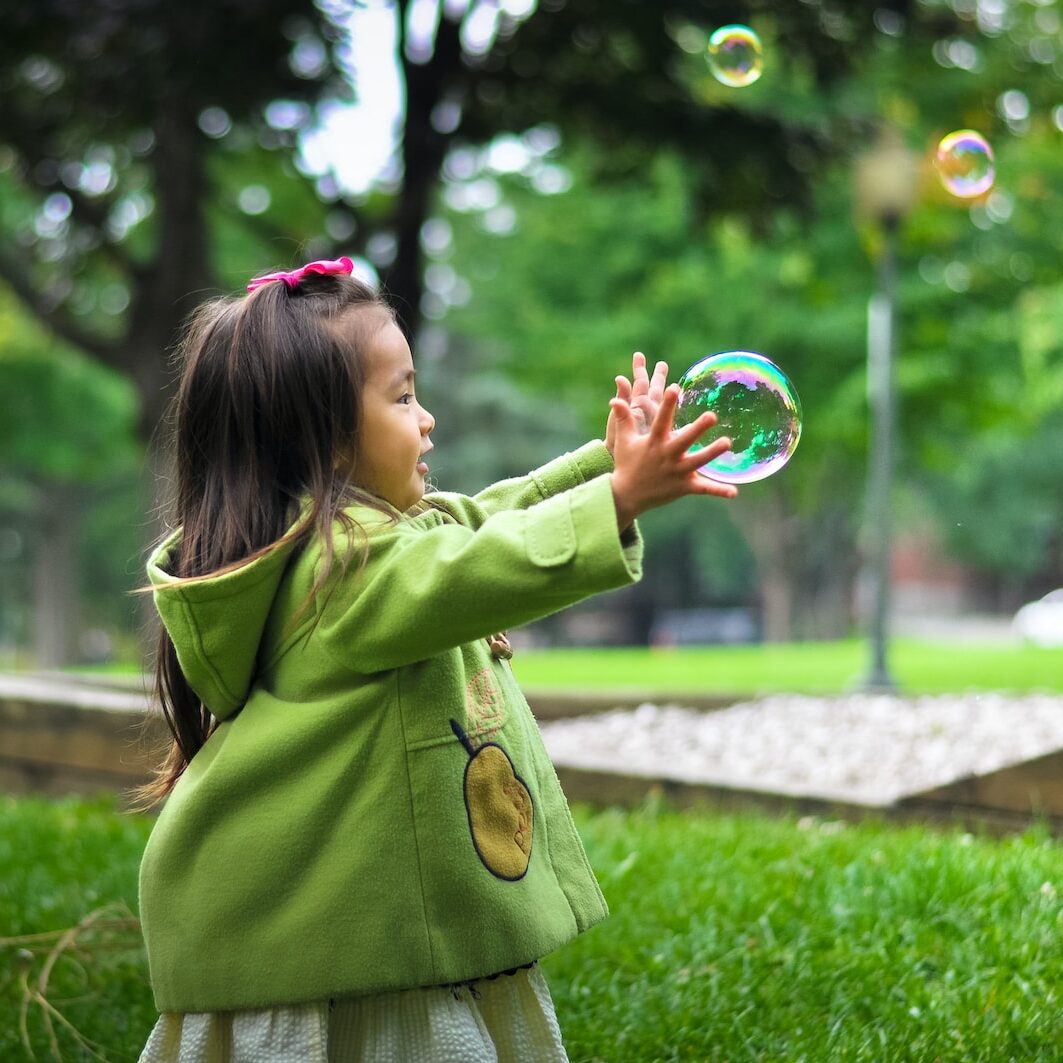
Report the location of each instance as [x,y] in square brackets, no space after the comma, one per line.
[654,468]
[644,396]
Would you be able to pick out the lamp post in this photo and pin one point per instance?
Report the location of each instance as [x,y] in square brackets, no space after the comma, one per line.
[886,189]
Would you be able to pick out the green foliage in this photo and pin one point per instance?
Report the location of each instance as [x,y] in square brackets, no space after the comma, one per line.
[68,418]
[634,265]
[487,427]
[700,218]
[106,135]
[286,231]
[631,78]
[69,430]
[112,559]
[634,257]
[1002,507]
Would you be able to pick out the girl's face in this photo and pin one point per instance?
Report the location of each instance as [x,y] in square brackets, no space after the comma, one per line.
[393,435]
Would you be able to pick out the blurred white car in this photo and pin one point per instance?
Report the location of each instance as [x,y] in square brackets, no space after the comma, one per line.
[1041,622]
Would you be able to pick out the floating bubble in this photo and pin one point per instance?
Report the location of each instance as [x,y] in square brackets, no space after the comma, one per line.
[756,406]
[735,56]
[965,163]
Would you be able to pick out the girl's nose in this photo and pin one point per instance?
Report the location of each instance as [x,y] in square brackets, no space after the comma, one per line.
[428,422]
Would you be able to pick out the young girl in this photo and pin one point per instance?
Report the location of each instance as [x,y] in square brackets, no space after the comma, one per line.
[365,849]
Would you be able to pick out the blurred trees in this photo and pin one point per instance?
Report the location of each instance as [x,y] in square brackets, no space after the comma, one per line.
[116,206]
[150,154]
[121,117]
[564,286]
[615,73]
[584,277]
[113,117]
[67,442]
[146,149]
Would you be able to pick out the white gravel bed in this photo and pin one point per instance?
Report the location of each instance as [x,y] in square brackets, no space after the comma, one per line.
[864,749]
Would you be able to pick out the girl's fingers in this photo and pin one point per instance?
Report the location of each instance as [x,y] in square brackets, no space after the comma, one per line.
[660,377]
[644,411]
[623,388]
[696,458]
[622,412]
[690,433]
[661,428]
[638,372]
[705,486]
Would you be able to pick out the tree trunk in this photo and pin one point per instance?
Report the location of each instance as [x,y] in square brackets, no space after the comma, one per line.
[179,276]
[805,564]
[770,531]
[55,577]
[423,149]
[157,485]
[777,603]
[170,288]
[164,291]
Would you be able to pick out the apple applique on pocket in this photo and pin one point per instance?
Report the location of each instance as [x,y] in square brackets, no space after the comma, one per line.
[499,807]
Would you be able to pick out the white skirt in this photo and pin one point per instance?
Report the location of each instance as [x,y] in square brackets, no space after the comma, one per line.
[506,1019]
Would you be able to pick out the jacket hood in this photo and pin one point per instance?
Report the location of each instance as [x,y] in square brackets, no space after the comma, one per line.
[217,624]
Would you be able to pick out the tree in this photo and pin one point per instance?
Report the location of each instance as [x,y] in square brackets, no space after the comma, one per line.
[562,287]
[114,206]
[122,121]
[616,72]
[114,113]
[585,276]
[67,442]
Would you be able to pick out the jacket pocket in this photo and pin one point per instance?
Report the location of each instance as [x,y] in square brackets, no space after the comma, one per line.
[550,535]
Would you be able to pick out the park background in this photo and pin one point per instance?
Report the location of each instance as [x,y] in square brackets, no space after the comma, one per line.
[566,183]
[544,187]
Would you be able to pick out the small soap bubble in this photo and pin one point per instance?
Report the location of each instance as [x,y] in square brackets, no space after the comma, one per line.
[735,56]
[965,163]
[757,409]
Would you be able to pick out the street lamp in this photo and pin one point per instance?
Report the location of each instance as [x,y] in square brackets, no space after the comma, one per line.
[886,189]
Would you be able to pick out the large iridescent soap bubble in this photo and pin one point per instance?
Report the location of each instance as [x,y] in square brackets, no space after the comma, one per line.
[735,56]
[965,163]
[756,406]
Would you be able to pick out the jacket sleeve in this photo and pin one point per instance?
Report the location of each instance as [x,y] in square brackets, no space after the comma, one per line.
[561,474]
[430,584]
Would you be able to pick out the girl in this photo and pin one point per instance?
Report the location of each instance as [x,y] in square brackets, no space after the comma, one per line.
[365,849]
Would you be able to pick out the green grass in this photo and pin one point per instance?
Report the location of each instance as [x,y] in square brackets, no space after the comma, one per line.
[813,668]
[733,937]
[62,860]
[808,667]
[745,938]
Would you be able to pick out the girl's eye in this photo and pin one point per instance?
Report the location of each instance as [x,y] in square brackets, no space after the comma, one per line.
[406,399]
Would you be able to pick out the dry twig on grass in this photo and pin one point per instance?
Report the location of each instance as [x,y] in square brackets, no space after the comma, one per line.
[109,927]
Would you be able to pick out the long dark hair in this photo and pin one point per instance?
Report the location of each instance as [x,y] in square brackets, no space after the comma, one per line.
[266,414]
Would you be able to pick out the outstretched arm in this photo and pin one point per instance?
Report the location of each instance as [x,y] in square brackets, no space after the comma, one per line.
[428,585]
[520,492]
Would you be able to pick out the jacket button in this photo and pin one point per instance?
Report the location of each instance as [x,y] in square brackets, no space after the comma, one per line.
[500,647]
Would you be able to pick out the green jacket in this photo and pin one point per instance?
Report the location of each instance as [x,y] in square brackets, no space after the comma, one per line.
[376,809]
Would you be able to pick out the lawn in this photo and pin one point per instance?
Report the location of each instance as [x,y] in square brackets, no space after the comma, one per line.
[733,937]
[797,667]
[810,668]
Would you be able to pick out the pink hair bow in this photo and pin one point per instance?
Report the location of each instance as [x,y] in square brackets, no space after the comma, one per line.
[324,266]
